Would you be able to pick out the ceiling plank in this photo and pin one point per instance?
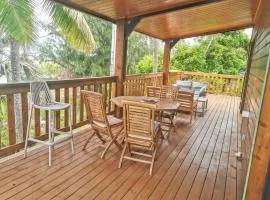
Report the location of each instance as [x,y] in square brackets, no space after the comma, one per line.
[178,8]
[85,10]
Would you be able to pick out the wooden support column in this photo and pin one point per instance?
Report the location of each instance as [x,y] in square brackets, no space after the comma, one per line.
[120,57]
[123,30]
[166,61]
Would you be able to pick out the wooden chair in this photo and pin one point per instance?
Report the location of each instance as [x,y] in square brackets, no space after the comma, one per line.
[100,122]
[141,131]
[187,102]
[167,91]
[153,91]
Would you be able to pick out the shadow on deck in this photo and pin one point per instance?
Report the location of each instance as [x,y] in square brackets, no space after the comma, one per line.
[197,162]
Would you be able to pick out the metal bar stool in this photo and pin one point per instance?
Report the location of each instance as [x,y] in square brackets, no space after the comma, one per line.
[40,98]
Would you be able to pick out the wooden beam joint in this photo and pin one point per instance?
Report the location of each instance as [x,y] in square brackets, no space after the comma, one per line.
[173,42]
[130,25]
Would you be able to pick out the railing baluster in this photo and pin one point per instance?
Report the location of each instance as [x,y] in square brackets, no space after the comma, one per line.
[47,121]
[66,96]
[81,105]
[106,97]
[11,119]
[110,94]
[74,105]
[57,113]
[37,122]
[24,113]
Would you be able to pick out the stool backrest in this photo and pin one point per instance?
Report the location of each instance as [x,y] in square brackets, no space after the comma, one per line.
[40,93]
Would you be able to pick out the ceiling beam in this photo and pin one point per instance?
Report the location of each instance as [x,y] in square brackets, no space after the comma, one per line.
[178,8]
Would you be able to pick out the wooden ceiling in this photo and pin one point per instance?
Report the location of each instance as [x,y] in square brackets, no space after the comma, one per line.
[169,19]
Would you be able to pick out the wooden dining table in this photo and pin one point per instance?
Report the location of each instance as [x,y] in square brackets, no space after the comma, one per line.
[162,104]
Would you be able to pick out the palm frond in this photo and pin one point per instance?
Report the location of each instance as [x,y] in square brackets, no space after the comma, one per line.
[17,19]
[72,24]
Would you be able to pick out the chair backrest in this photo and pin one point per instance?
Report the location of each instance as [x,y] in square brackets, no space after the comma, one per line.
[186,99]
[94,103]
[167,91]
[40,93]
[139,120]
[153,91]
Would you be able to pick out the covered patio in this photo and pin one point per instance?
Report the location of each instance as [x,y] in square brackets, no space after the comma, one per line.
[198,161]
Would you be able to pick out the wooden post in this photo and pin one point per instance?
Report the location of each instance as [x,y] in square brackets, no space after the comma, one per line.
[166,61]
[120,59]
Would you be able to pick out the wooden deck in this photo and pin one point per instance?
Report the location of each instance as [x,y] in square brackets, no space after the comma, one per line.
[196,163]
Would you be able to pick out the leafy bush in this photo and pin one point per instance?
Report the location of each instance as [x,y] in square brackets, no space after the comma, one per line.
[145,65]
[224,53]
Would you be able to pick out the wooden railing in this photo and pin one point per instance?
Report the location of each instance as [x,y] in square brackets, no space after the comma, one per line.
[69,91]
[136,84]
[218,83]
[65,90]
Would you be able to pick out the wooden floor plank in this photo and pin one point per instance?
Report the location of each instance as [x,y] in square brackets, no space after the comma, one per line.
[21,172]
[198,183]
[220,185]
[202,159]
[210,180]
[147,184]
[198,162]
[176,182]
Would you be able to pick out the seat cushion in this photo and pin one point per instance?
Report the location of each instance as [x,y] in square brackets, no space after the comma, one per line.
[184,85]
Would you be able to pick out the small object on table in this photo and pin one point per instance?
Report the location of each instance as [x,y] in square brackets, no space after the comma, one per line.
[204,104]
[151,101]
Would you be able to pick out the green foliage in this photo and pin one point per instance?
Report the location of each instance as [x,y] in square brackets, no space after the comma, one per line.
[145,65]
[72,25]
[50,70]
[17,19]
[139,46]
[188,58]
[3,121]
[224,53]
[56,50]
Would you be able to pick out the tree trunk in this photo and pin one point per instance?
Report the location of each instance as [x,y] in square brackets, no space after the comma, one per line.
[16,77]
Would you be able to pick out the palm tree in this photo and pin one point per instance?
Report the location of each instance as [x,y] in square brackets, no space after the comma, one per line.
[20,23]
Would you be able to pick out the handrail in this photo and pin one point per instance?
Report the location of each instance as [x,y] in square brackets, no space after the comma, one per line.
[13,88]
[67,91]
